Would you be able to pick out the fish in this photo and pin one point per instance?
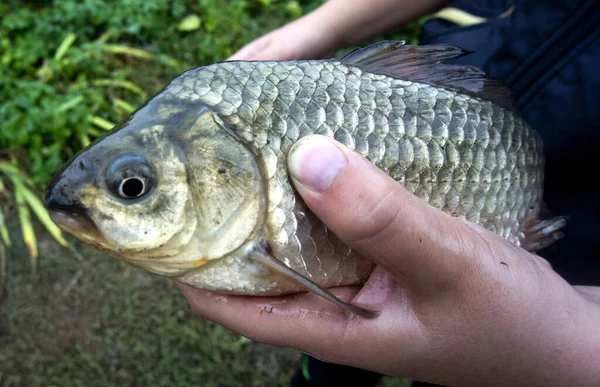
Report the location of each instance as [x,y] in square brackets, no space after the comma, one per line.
[194,184]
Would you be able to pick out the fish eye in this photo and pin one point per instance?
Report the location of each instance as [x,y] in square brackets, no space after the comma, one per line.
[132,187]
[131,177]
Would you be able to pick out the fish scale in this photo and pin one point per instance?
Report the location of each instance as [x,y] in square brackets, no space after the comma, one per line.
[463,155]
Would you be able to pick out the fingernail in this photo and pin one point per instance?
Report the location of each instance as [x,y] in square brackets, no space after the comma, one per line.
[314,161]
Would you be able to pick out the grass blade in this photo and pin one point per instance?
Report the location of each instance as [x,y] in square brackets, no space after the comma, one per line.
[94,132]
[4,230]
[27,228]
[64,46]
[126,107]
[2,268]
[126,50]
[111,33]
[40,211]
[70,104]
[120,83]
[9,169]
[4,235]
[14,172]
[84,139]
[101,122]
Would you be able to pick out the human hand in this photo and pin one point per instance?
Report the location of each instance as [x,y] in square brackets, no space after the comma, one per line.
[458,304]
[305,38]
[335,25]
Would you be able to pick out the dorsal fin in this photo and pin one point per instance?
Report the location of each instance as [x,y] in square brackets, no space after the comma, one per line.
[424,64]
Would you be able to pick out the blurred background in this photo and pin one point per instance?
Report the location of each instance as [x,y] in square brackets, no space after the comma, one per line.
[69,71]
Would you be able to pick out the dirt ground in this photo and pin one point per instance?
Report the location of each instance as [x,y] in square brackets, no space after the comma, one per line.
[87,319]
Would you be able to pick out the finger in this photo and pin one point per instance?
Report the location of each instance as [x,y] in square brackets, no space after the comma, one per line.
[311,324]
[381,219]
[255,50]
[302,321]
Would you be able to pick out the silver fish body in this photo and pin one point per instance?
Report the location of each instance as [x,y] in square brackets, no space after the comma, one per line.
[466,155]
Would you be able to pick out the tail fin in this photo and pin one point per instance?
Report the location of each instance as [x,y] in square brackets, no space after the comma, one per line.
[541,233]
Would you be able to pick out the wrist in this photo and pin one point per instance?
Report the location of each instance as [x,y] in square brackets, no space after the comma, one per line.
[566,344]
[553,341]
[585,354]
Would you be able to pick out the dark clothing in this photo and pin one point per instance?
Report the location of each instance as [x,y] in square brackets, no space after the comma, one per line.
[548,52]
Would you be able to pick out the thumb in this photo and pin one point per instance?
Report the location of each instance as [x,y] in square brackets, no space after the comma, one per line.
[378,217]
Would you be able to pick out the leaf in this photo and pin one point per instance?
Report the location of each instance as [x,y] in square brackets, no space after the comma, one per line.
[4,230]
[2,268]
[293,9]
[109,34]
[169,61]
[64,46]
[40,211]
[70,104]
[122,49]
[3,190]
[190,23]
[85,140]
[45,73]
[120,83]
[94,132]
[101,122]
[12,171]
[244,340]
[124,105]
[27,228]
[8,168]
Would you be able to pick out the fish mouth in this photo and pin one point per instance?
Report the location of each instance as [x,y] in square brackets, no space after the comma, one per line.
[79,226]
[75,223]
[67,211]
[71,217]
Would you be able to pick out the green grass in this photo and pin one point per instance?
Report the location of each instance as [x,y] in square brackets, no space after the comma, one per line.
[67,64]
[69,70]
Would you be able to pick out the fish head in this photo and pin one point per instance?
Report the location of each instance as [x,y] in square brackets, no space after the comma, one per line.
[169,190]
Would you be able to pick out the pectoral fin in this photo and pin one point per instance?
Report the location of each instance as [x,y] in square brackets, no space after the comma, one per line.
[261,255]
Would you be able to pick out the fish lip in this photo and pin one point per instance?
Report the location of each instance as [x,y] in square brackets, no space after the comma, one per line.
[62,198]
[76,223]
